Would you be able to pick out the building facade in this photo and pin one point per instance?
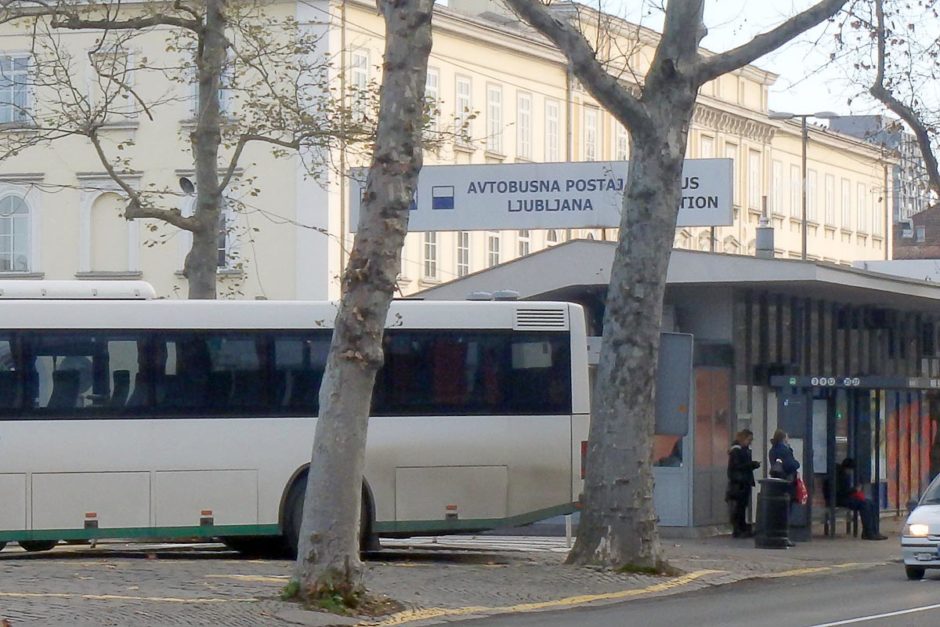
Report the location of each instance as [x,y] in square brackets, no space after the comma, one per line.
[500,94]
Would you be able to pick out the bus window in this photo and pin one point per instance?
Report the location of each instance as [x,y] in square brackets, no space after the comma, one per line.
[9,377]
[77,372]
[299,364]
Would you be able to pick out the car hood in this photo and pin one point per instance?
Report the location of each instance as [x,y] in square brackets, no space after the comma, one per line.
[929,514]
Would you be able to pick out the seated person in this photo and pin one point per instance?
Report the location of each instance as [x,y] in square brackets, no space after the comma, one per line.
[850,496]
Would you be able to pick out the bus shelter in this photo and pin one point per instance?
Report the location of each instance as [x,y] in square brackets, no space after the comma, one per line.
[845,359]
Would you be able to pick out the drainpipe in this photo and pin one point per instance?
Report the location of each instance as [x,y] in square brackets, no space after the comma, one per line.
[342,143]
[569,125]
[889,224]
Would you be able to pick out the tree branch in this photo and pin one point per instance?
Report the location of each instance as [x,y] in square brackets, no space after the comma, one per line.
[715,66]
[902,110]
[135,207]
[605,88]
[73,22]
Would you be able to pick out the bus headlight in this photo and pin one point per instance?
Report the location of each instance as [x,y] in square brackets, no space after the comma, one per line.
[917,530]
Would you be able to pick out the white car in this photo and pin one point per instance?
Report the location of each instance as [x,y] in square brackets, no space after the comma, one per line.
[920,540]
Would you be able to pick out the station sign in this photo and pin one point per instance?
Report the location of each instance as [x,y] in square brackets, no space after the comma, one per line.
[515,196]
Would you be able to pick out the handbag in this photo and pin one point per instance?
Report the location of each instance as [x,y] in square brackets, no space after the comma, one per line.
[800,494]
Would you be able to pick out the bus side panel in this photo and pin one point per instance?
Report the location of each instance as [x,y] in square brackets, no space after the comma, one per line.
[580,399]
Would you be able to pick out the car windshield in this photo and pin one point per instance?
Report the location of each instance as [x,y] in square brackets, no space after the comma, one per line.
[932,495]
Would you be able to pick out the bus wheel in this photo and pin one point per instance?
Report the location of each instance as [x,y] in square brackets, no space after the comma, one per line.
[255,546]
[294,511]
[36,546]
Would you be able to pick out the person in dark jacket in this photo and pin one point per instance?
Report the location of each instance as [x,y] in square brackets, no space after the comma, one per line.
[741,467]
[850,496]
[783,464]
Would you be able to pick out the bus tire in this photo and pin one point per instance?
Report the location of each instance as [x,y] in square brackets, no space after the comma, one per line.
[294,511]
[37,546]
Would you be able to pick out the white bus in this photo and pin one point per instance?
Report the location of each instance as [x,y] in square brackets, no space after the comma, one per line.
[180,419]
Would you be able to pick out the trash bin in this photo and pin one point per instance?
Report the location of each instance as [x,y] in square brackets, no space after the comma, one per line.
[773,514]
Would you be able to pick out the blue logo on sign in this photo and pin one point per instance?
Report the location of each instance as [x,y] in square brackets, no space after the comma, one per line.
[442,197]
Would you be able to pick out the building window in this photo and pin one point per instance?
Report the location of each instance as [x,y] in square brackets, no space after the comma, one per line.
[830,191]
[430,255]
[753,179]
[811,213]
[846,204]
[492,249]
[524,125]
[862,212]
[552,130]
[14,235]
[464,105]
[622,142]
[523,242]
[706,147]
[551,237]
[14,89]
[432,96]
[226,241]
[359,82]
[877,223]
[494,119]
[731,152]
[590,133]
[778,185]
[796,192]
[463,253]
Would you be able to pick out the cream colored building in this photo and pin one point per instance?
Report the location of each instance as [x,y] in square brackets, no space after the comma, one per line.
[60,213]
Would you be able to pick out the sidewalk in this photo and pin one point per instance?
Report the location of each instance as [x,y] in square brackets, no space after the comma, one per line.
[437,579]
[453,577]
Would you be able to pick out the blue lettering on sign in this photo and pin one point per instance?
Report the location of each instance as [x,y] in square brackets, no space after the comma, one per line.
[442,197]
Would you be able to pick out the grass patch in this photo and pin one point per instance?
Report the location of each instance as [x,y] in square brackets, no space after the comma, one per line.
[344,600]
[661,569]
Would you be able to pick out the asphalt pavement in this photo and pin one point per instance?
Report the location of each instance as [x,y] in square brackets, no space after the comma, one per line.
[878,597]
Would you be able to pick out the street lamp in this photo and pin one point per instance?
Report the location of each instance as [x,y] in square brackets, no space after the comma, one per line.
[784,115]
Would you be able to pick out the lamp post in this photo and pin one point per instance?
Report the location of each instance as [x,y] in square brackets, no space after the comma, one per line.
[804,132]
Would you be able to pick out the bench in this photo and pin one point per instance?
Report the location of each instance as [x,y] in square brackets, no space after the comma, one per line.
[850,516]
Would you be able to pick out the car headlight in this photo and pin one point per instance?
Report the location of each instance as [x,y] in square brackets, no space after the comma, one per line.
[917,530]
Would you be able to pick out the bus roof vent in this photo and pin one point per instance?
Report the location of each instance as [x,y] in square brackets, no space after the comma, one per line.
[555,319]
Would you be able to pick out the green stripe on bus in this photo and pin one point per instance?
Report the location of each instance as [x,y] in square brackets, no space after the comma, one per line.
[207,531]
[471,524]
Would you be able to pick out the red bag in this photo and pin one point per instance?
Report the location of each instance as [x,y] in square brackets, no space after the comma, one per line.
[800,494]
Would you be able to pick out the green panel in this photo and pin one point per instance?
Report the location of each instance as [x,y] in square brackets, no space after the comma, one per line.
[207,531]
[469,524]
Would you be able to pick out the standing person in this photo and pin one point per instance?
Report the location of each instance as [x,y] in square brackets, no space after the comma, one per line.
[850,495]
[783,464]
[741,467]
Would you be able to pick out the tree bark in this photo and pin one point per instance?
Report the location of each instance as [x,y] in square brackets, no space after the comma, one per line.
[618,521]
[328,555]
[201,264]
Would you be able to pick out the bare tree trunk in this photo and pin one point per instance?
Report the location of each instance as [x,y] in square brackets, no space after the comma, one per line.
[202,261]
[618,521]
[328,555]
[622,419]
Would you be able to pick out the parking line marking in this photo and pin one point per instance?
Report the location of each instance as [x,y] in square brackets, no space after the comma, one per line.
[119,597]
[438,612]
[253,578]
[865,619]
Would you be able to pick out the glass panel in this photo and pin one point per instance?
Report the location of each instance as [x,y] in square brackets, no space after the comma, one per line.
[81,373]
[431,373]
[299,363]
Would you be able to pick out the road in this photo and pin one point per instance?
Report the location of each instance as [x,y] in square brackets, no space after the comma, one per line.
[878,597]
